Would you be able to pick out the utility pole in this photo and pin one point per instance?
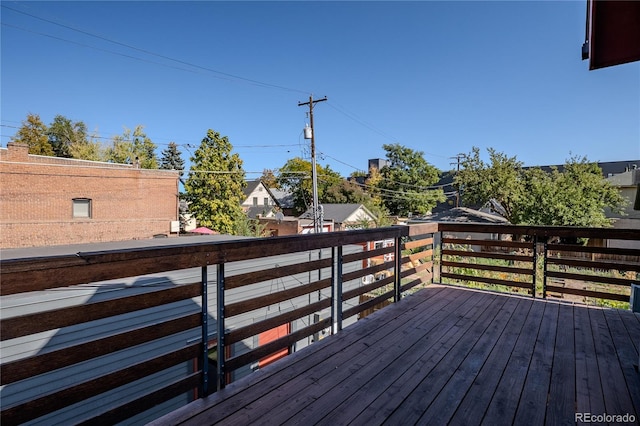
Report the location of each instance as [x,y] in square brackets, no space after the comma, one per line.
[458,158]
[317,220]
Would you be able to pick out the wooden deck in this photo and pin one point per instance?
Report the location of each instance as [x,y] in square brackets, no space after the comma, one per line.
[446,355]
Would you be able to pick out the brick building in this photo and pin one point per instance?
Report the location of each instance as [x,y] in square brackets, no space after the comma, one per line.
[51,201]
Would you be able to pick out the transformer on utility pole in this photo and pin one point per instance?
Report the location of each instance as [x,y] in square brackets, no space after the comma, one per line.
[309,134]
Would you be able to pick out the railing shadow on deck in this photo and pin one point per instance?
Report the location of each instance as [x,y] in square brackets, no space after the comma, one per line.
[192,318]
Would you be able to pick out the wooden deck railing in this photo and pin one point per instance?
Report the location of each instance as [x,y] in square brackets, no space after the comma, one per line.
[578,264]
[100,337]
[99,360]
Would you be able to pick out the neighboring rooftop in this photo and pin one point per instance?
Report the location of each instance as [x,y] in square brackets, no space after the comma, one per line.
[462,214]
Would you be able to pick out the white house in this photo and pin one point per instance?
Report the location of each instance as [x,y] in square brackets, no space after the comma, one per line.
[258,200]
[343,216]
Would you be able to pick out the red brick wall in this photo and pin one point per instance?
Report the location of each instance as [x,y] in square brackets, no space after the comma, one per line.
[36,196]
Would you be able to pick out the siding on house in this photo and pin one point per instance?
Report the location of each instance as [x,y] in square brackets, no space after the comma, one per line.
[36,201]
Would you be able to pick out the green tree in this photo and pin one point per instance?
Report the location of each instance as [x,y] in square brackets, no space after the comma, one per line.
[144,148]
[404,182]
[132,147]
[247,227]
[499,181]
[214,187]
[172,159]
[575,196]
[269,179]
[64,134]
[90,149]
[295,177]
[33,133]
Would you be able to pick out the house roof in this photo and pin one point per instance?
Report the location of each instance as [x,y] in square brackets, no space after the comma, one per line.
[462,214]
[251,186]
[284,198]
[338,212]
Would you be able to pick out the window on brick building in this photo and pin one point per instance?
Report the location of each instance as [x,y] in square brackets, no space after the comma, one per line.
[82,207]
[255,201]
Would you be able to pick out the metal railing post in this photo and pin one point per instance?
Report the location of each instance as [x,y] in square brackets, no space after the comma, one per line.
[205,331]
[397,282]
[440,256]
[544,269]
[337,299]
[535,265]
[220,327]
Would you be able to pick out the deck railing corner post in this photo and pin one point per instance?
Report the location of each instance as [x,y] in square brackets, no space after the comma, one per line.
[220,303]
[534,265]
[397,282]
[205,331]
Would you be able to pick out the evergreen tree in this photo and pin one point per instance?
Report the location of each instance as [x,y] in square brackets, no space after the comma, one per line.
[172,159]
[33,133]
[214,187]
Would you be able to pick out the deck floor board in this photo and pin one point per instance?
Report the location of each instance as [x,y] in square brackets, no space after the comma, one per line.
[445,355]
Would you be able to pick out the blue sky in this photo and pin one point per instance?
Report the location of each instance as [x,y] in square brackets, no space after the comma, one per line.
[438,77]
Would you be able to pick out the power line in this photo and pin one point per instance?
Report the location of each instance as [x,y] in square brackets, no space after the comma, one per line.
[148,52]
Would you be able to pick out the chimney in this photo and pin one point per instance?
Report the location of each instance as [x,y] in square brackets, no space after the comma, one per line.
[17,152]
